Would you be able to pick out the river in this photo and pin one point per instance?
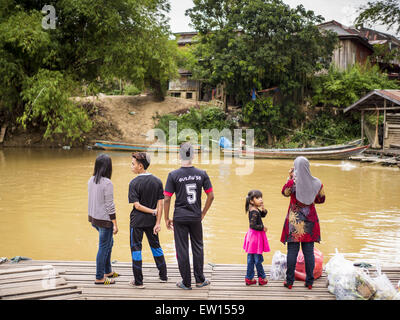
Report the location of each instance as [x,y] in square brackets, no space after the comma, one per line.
[43,207]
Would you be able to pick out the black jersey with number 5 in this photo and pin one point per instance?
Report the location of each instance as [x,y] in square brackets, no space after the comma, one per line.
[187,184]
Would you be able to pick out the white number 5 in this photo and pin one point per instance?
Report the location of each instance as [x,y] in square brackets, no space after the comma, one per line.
[191,192]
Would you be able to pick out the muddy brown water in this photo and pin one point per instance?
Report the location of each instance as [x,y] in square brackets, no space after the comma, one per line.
[43,207]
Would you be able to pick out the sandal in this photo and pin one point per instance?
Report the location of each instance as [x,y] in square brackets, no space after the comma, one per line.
[113,275]
[205,283]
[106,281]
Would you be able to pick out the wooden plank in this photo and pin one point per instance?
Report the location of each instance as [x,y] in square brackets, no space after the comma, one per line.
[59,294]
[5,278]
[122,280]
[32,288]
[272,285]
[144,293]
[265,292]
[67,295]
[25,269]
[27,281]
[154,297]
[271,298]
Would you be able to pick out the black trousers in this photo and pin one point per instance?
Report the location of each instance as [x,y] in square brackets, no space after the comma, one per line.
[182,230]
[309,259]
[136,237]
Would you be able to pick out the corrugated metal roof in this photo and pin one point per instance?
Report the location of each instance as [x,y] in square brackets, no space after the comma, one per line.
[393,94]
[340,31]
[377,41]
[376,99]
[184,72]
[345,32]
[185,40]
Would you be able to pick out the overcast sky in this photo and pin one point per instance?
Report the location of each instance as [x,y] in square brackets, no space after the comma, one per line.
[343,11]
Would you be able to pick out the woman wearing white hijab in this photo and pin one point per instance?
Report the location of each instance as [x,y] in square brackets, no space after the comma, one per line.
[301,224]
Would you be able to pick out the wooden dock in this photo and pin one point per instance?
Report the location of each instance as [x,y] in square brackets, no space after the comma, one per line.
[389,159]
[71,280]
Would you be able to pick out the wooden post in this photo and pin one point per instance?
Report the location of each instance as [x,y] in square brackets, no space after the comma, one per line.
[224,98]
[198,88]
[376,144]
[3,132]
[384,125]
[362,126]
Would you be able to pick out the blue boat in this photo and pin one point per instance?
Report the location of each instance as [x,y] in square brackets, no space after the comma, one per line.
[137,147]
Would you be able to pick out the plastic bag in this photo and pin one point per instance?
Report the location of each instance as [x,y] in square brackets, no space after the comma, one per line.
[300,272]
[365,285]
[344,288]
[279,266]
[341,277]
[384,287]
[354,286]
[335,268]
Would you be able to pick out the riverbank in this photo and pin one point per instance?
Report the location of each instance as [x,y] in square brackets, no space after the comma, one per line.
[115,118]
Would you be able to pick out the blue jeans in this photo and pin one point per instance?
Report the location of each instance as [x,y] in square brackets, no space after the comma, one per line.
[309,259]
[257,260]
[103,258]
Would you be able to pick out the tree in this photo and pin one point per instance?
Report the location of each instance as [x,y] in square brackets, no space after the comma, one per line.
[382,11]
[93,39]
[258,44]
[267,120]
[342,88]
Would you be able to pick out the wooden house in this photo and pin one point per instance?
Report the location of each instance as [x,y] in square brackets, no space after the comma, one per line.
[184,38]
[353,45]
[378,102]
[390,42]
[184,87]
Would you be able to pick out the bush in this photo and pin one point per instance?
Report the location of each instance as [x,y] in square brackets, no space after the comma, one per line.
[47,102]
[269,121]
[205,117]
[131,90]
[326,128]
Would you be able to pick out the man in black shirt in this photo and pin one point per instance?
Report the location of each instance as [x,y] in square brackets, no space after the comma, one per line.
[187,183]
[146,194]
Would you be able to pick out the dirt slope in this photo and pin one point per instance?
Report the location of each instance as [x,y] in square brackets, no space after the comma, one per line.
[128,118]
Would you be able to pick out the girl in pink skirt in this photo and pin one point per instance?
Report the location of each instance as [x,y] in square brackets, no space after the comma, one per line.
[255,240]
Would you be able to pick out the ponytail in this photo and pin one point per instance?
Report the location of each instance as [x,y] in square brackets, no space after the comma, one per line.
[247,205]
[250,196]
